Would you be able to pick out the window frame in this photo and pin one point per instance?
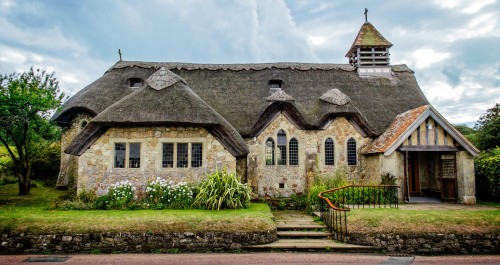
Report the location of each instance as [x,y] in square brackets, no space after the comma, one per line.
[127,150]
[277,152]
[295,150]
[175,142]
[326,150]
[349,150]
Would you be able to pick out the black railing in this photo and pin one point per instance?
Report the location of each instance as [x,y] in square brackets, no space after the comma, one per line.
[335,204]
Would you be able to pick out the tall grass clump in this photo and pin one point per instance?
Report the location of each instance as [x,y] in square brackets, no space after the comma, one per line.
[222,191]
[322,183]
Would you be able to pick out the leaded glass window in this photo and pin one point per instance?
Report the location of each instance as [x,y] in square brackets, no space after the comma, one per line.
[182,155]
[294,152]
[134,156]
[120,155]
[269,151]
[196,154]
[281,147]
[329,152]
[168,155]
[351,152]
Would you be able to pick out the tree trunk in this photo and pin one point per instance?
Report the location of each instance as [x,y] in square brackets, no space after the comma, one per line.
[24,185]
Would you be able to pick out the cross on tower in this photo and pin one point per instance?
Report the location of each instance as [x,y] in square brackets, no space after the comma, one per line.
[120,54]
[366,14]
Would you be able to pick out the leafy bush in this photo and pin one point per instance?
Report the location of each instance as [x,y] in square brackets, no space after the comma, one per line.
[121,195]
[162,194]
[322,183]
[102,202]
[87,196]
[487,169]
[45,163]
[388,179]
[222,191]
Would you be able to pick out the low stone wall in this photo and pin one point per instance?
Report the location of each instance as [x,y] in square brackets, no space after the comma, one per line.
[431,243]
[130,242]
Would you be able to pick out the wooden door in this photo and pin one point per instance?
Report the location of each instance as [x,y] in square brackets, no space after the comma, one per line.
[414,174]
[448,179]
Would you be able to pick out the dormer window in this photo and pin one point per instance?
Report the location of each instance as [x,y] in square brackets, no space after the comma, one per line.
[275,83]
[135,82]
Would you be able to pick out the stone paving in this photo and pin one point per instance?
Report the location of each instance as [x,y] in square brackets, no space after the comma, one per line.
[298,230]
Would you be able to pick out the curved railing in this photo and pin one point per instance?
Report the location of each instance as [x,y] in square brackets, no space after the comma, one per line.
[335,204]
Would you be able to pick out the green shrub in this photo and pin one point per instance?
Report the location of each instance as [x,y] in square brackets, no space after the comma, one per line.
[322,183]
[487,169]
[45,164]
[87,196]
[121,195]
[222,191]
[388,179]
[102,202]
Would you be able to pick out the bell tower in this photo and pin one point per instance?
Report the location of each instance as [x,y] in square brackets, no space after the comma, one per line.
[369,52]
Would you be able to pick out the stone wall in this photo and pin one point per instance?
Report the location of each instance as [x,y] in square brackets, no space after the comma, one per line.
[431,243]
[266,179]
[466,178]
[97,172]
[68,173]
[130,242]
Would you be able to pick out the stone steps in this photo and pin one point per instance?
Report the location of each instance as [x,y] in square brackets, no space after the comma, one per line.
[297,231]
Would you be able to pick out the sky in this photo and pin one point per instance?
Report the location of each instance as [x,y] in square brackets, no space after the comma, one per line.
[452,45]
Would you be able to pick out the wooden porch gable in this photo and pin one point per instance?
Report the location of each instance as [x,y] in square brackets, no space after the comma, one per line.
[420,129]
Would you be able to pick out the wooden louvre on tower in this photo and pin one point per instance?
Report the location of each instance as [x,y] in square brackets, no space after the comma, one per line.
[369,52]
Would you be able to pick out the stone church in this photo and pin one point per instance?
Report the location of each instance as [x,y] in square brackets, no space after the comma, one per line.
[277,125]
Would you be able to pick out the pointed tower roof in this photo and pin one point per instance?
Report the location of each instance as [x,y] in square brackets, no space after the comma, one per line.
[368,36]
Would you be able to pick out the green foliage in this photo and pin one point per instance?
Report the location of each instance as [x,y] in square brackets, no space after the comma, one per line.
[87,196]
[121,195]
[488,129]
[487,167]
[388,179]
[26,101]
[102,202]
[45,163]
[322,183]
[161,194]
[222,191]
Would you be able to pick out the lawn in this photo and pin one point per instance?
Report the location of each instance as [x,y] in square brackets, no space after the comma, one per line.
[424,221]
[31,214]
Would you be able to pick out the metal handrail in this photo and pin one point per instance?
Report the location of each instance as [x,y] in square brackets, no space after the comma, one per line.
[335,218]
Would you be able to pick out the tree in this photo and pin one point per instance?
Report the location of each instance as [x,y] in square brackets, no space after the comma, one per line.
[488,129]
[26,101]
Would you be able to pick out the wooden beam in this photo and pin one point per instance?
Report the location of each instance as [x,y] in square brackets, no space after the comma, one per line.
[429,148]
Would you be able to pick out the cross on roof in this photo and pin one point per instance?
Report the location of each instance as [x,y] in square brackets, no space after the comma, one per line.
[366,14]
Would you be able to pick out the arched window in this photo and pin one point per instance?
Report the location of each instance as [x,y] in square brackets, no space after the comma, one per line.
[294,152]
[351,152]
[329,152]
[269,152]
[281,147]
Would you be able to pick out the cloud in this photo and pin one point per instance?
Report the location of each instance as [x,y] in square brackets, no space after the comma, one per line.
[451,44]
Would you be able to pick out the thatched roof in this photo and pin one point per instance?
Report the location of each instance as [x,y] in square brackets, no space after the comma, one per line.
[165,99]
[368,36]
[240,92]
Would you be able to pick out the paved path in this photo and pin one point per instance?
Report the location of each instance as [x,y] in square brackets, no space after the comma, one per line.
[297,230]
[251,258]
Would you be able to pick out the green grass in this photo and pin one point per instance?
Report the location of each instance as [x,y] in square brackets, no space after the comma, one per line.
[4,155]
[31,214]
[424,221]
